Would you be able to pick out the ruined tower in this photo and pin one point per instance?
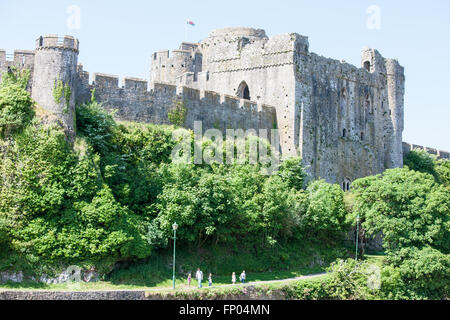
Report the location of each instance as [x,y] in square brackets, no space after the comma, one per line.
[396,92]
[54,79]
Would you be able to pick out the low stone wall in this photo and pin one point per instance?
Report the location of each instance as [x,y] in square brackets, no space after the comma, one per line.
[68,295]
[440,154]
[69,273]
[246,292]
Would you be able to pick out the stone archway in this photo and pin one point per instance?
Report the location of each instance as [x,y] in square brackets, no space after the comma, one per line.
[243,91]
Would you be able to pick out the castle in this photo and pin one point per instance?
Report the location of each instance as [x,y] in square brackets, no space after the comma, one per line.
[345,122]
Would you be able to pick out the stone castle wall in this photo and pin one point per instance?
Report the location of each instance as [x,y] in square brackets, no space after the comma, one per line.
[21,59]
[346,125]
[133,102]
[440,154]
[346,122]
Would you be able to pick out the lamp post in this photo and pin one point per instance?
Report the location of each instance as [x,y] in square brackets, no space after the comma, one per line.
[175,227]
[357,235]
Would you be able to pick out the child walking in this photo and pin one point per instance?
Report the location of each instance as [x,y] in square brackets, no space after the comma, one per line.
[210,280]
[233,278]
[189,280]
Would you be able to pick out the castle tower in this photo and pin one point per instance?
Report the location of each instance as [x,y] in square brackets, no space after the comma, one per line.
[180,68]
[396,92]
[54,79]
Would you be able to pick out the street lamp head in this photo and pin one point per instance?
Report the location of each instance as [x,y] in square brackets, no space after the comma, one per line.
[175,226]
[357,218]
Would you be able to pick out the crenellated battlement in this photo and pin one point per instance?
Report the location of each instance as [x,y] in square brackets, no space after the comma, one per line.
[134,102]
[345,121]
[54,41]
[440,154]
[211,97]
[136,84]
[106,81]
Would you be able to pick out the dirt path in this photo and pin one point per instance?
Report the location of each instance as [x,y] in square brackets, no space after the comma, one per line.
[205,285]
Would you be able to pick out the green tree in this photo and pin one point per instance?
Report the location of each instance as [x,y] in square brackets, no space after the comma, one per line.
[177,114]
[408,207]
[293,172]
[442,169]
[420,160]
[98,126]
[416,274]
[16,105]
[326,214]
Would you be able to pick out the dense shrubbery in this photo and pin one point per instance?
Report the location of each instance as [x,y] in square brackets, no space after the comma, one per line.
[16,109]
[116,197]
[410,207]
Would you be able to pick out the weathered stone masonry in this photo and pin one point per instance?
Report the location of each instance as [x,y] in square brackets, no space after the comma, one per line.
[133,102]
[345,122]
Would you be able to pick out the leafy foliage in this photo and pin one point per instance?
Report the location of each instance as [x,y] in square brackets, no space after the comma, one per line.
[417,274]
[292,171]
[411,210]
[408,207]
[177,115]
[326,212]
[420,160]
[16,106]
[118,198]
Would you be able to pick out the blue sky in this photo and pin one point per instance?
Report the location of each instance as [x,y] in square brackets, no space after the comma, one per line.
[118,37]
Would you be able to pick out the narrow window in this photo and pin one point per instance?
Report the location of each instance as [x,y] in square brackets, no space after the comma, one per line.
[344,133]
[367,65]
[369,106]
[346,184]
[362,136]
[243,91]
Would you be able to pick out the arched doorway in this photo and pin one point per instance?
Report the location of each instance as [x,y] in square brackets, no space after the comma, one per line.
[346,185]
[243,91]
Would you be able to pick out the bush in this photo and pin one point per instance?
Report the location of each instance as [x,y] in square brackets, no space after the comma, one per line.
[97,126]
[421,274]
[409,208]
[326,213]
[420,160]
[16,105]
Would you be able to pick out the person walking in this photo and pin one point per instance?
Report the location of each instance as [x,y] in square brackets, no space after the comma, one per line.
[242,277]
[233,278]
[199,277]
[189,280]
[210,280]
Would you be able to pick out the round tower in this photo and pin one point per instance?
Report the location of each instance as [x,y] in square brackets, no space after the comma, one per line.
[396,92]
[54,77]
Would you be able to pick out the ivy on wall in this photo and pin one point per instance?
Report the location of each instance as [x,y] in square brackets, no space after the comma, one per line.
[177,115]
[59,91]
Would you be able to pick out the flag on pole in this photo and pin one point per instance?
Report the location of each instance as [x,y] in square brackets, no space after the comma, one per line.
[190,22]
